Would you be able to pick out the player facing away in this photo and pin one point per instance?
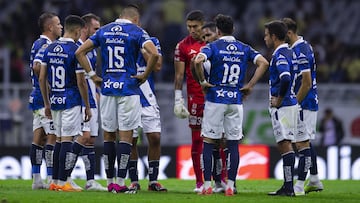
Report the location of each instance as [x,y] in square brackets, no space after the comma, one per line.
[150,124]
[120,43]
[185,50]
[306,94]
[84,144]
[283,104]
[43,128]
[68,88]
[224,94]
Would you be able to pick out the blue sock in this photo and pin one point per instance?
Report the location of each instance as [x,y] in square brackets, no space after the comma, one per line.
[233,158]
[56,161]
[216,171]
[109,159]
[304,163]
[207,159]
[49,158]
[77,148]
[123,154]
[89,161]
[133,172]
[63,162]
[153,170]
[36,154]
[288,169]
[313,168]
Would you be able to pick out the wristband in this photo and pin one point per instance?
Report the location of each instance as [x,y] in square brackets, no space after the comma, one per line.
[91,73]
[178,94]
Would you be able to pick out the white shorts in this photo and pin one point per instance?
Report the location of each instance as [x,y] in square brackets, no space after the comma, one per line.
[120,113]
[306,125]
[91,126]
[67,122]
[284,122]
[41,121]
[150,120]
[219,118]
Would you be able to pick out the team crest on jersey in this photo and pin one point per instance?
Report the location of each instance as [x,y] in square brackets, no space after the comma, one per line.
[116,28]
[58,48]
[44,46]
[231,47]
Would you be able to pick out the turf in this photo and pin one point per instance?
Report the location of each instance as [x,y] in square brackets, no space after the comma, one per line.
[181,191]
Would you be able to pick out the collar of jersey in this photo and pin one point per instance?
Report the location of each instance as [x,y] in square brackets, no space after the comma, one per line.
[45,37]
[228,38]
[298,41]
[66,39]
[80,41]
[281,46]
[122,20]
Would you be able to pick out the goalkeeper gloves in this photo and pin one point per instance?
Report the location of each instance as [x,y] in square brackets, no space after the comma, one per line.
[180,110]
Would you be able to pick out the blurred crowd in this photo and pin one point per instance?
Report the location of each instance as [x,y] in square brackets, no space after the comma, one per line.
[331,26]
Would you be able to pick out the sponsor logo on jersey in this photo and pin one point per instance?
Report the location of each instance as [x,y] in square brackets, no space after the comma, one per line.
[57,100]
[225,93]
[113,85]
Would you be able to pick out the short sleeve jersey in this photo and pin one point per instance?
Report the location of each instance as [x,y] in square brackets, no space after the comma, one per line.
[120,43]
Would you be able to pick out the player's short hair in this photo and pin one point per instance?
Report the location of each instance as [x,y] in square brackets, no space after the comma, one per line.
[195,15]
[225,24]
[290,23]
[278,28]
[44,20]
[130,10]
[88,17]
[73,21]
[211,25]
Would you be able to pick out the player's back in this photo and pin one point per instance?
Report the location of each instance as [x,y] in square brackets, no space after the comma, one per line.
[62,66]
[120,43]
[283,61]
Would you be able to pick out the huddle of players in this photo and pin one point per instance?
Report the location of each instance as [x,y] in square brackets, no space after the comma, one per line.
[220,119]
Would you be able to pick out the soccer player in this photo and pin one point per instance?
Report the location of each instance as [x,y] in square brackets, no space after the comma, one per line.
[150,124]
[223,107]
[85,144]
[306,95]
[43,127]
[283,104]
[68,88]
[120,43]
[185,50]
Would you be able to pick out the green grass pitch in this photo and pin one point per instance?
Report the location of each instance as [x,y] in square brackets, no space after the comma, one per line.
[181,191]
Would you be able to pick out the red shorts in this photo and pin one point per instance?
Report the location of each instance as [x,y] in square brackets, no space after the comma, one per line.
[196,110]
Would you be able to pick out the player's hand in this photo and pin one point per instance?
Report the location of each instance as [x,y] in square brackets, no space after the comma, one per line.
[87,114]
[97,80]
[48,112]
[180,110]
[205,84]
[275,101]
[246,91]
[141,78]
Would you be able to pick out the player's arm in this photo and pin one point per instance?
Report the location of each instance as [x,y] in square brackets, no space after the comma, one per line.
[199,70]
[151,50]
[158,64]
[36,68]
[305,86]
[83,88]
[44,89]
[262,66]
[84,62]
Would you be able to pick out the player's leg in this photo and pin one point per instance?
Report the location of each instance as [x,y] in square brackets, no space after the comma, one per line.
[36,154]
[217,168]
[133,171]
[49,155]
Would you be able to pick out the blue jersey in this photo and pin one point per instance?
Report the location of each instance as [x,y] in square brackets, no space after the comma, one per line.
[229,60]
[283,62]
[120,43]
[62,67]
[91,55]
[35,100]
[306,62]
[147,94]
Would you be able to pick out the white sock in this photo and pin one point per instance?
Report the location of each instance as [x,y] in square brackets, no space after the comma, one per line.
[36,178]
[110,180]
[120,181]
[300,183]
[230,184]
[314,178]
[207,184]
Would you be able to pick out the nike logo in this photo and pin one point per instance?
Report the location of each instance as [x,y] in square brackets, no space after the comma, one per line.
[192,51]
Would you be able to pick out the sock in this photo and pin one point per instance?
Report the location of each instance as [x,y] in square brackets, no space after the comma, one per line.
[133,172]
[223,153]
[304,163]
[56,161]
[313,168]
[207,159]
[153,170]
[123,154]
[36,154]
[49,159]
[196,150]
[64,160]
[217,166]
[233,158]
[109,159]
[89,161]
[288,167]
[77,148]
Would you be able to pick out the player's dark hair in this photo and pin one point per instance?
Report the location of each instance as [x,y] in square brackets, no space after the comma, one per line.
[278,28]
[73,21]
[196,15]
[44,19]
[131,10]
[211,25]
[290,23]
[225,24]
[88,17]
